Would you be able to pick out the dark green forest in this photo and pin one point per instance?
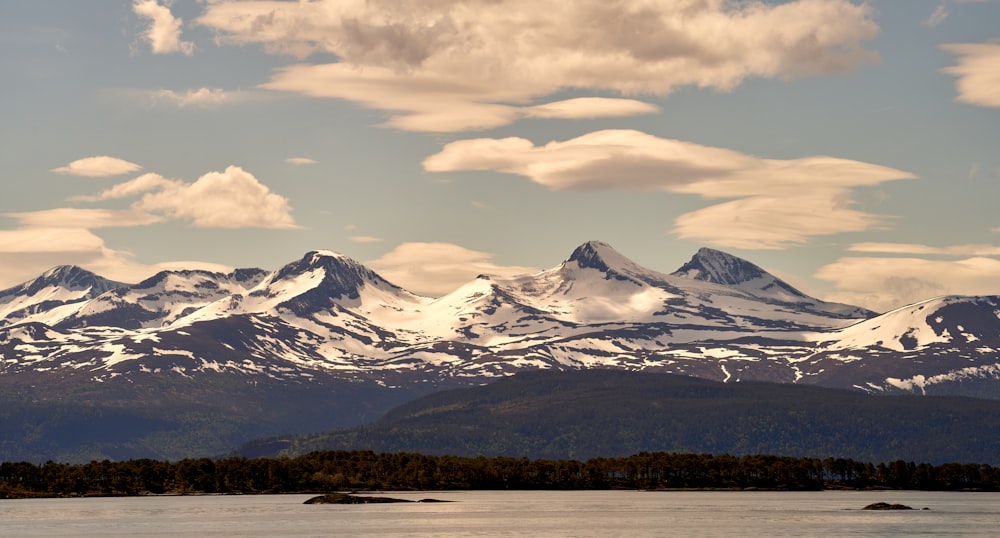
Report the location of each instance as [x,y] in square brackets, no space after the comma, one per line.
[593,413]
[367,470]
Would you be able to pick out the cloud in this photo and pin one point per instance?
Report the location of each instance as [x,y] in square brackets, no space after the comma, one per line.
[30,251]
[765,222]
[478,64]
[911,248]
[777,202]
[439,268]
[201,97]
[938,16]
[300,160]
[100,166]
[364,239]
[48,239]
[84,218]
[882,283]
[978,73]
[164,30]
[590,107]
[233,198]
[144,183]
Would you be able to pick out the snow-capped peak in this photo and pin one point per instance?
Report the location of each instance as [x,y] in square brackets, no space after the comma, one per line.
[341,276]
[719,267]
[603,258]
[712,265]
[598,255]
[68,278]
[61,285]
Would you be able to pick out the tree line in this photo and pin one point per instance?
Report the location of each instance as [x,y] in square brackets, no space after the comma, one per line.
[367,470]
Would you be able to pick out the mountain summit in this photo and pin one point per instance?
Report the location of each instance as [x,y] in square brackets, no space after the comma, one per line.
[600,256]
[61,285]
[716,266]
[710,265]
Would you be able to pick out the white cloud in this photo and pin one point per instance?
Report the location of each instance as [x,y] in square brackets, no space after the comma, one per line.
[779,202]
[300,160]
[144,183]
[477,64]
[48,239]
[89,219]
[775,222]
[233,198]
[439,268]
[882,284]
[28,252]
[978,73]
[100,166]
[364,239]
[590,107]
[164,30]
[201,97]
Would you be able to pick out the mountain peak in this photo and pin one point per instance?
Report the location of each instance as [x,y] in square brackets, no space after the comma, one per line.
[719,267]
[598,255]
[339,276]
[69,277]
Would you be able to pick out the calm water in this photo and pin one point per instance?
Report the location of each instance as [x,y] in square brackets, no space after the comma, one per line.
[490,513]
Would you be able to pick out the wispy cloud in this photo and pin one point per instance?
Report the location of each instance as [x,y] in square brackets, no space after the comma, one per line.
[300,160]
[938,16]
[978,72]
[163,32]
[778,202]
[884,283]
[439,268]
[100,166]
[477,64]
[200,97]
[29,251]
[71,217]
[912,248]
[364,239]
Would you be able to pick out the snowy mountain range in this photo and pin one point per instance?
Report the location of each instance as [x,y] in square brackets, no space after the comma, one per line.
[327,316]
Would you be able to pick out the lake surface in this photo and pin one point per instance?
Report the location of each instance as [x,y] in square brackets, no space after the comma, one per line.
[514,513]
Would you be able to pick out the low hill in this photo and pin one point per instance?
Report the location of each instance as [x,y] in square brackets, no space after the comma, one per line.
[595,413]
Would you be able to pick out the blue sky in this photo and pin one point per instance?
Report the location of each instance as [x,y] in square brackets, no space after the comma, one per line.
[849,147]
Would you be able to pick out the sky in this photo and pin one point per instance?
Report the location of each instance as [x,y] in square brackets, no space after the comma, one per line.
[851,148]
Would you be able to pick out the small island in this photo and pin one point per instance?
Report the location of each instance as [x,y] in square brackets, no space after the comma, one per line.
[347,498]
[887,506]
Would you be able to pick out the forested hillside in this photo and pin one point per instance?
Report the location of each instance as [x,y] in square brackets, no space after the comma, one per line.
[588,414]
